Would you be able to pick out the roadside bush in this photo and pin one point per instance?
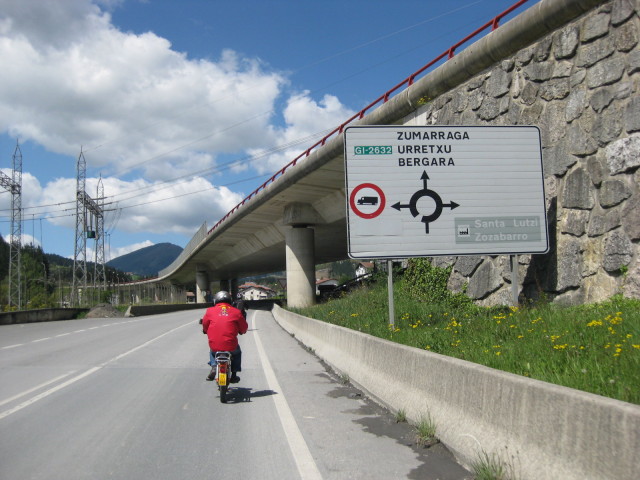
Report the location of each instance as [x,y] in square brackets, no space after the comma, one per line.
[424,282]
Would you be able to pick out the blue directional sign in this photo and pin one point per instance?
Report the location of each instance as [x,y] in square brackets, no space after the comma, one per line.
[428,191]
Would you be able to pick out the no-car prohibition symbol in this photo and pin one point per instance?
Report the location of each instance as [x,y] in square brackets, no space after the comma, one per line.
[353,204]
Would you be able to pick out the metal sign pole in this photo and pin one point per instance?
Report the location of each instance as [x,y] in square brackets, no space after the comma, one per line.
[392,321]
[514,279]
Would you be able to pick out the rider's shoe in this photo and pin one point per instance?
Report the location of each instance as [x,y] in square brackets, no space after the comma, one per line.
[234,378]
[212,375]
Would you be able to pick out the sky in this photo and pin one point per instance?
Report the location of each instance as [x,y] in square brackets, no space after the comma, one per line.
[181,108]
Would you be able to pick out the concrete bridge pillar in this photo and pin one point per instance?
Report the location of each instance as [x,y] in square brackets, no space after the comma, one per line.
[202,284]
[300,254]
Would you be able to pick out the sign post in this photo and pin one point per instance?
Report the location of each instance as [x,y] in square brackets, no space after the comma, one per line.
[392,315]
[437,190]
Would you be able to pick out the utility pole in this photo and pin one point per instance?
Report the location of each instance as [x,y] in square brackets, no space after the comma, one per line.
[85,206]
[13,184]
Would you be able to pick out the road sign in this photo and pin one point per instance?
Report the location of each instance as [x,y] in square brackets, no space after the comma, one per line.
[428,191]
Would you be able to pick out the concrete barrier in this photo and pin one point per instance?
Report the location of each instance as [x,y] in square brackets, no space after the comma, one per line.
[541,430]
[41,315]
[139,310]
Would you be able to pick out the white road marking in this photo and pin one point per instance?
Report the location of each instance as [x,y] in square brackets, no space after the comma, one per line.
[302,455]
[38,387]
[73,380]
[69,333]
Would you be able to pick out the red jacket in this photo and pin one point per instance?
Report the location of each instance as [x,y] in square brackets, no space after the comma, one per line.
[222,323]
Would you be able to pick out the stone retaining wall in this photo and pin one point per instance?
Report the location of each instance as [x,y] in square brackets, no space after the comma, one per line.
[580,86]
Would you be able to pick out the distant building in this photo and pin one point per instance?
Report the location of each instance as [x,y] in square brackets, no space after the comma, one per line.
[325,284]
[252,291]
[323,273]
[364,267]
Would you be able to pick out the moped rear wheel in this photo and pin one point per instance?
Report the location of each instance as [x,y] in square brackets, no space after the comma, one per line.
[223,394]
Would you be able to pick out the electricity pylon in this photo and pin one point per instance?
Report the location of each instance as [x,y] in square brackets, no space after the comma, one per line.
[13,184]
[99,276]
[87,209]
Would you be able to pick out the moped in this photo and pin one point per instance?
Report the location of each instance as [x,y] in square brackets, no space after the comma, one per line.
[223,373]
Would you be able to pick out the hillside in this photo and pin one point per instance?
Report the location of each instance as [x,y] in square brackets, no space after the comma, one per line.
[147,261]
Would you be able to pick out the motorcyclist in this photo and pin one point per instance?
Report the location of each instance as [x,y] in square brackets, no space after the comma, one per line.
[222,323]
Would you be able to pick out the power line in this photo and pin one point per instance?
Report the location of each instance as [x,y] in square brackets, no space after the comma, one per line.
[175,181]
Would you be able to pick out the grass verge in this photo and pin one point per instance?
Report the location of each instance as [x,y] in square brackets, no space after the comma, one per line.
[594,348]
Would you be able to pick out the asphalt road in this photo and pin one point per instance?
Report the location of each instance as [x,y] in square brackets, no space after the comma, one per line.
[126,398]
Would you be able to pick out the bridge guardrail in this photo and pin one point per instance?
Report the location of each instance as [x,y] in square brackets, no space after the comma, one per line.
[494,23]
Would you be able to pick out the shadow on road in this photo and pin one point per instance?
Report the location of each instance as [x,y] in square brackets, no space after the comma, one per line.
[242,395]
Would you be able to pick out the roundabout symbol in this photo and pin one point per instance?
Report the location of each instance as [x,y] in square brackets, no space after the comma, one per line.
[367,200]
[425,192]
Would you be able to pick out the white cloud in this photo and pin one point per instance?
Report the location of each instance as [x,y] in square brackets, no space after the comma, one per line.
[71,79]
[26,239]
[142,112]
[305,119]
[144,206]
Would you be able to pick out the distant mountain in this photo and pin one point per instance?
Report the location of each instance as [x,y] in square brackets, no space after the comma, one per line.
[147,261]
[59,260]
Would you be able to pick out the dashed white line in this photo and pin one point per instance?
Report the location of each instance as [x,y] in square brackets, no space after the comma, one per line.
[73,380]
[12,346]
[40,340]
[26,392]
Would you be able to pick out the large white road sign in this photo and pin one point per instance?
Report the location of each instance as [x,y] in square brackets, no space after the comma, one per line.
[427,191]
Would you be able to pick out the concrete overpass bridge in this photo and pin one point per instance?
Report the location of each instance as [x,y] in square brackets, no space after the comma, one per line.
[297,218]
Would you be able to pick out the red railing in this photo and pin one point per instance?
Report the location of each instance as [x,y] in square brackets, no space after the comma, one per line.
[449,53]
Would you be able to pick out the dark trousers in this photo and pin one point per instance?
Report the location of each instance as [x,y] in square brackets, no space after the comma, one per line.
[236,359]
